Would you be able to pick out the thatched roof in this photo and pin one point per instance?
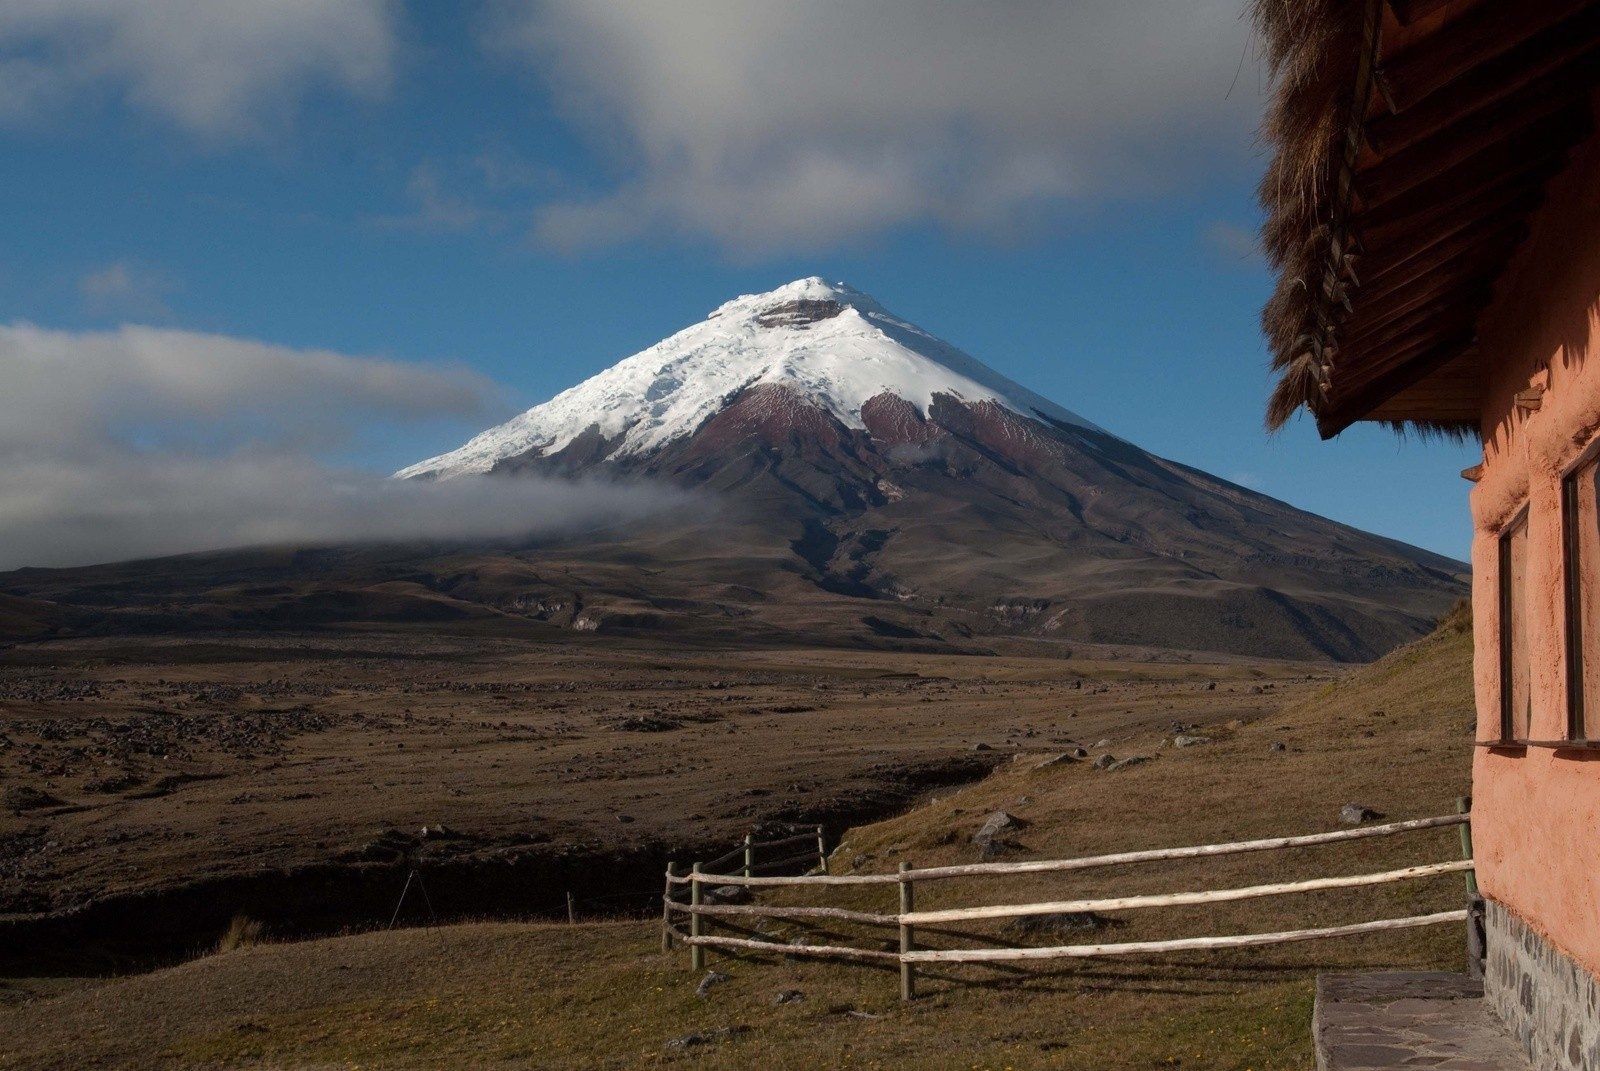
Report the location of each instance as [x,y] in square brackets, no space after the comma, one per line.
[1411,140]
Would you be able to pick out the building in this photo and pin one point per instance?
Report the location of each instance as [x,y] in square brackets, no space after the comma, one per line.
[1433,209]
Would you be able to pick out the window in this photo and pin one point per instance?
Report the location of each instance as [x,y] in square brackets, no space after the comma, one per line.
[1516,695]
[1580,530]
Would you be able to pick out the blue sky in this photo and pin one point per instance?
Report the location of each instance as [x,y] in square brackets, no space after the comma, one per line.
[522,194]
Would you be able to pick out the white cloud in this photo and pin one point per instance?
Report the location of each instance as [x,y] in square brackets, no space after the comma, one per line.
[136,385]
[124,288]
[1233,243]
[221,68]
[141,441]
[768,124]
[119,507]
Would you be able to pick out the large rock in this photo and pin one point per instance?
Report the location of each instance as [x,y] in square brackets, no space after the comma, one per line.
[1354,814]
[705,1037]
[991,836]
[710,981]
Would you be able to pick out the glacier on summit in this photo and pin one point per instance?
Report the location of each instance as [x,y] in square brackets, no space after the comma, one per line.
[830,342]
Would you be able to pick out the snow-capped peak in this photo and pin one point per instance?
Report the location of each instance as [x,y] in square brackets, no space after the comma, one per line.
[829,341]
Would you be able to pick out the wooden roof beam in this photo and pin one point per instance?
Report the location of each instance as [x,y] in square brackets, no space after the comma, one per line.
[1443,323]
[1445,245]
[1451,311]
[1404,298]
[1478,36]
[1336,414]
[1468,189]
[1408,11]
[1503,135]
[1564,54]
[1480,250]
[1372,370]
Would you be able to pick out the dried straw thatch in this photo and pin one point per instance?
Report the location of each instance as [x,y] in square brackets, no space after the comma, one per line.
[1415,134]
[1314,52]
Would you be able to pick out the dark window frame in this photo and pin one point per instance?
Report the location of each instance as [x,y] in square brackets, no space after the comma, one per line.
[1504,594]
[1572,590]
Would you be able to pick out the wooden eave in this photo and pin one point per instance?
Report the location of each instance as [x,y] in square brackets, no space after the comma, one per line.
[1471,106]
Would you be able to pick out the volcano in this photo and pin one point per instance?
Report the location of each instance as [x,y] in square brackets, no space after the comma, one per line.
[873,481]
[850,479]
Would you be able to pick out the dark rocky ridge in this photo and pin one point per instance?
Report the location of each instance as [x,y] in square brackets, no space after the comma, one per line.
[974,520]
[964,527]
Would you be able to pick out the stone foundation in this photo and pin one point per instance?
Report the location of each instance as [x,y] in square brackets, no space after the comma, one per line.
[1550,1004]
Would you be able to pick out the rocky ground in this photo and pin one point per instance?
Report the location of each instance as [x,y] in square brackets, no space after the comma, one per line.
[1393,739]
[168,783]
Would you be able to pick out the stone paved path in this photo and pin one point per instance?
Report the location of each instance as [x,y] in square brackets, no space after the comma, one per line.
[1409,1020]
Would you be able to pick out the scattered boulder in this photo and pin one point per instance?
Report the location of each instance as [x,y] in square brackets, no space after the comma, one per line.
[709,982]
[1278,745]
[1354,814]
[990,837]
[728,894]
[1188,740]
[19,798]
[1131,760]
[1103,743]
[789,996]
[647,723]
[997,823]
[705,1037]
[982,747]
[1105,762]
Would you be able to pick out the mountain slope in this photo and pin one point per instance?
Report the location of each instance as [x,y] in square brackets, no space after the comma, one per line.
[833,344]
[899,469]
[855,480]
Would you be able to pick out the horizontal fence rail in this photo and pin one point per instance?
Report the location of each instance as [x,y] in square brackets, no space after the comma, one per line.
[815,854]
[907,919]
[1182,944]
[1181,899]
[1045,866]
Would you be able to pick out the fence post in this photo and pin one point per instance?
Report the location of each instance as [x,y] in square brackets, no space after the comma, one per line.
[1477,935]
[908,979]
[666,907]
[572,914]
[1464,806]
[822,849]
[697,953]
[749,854]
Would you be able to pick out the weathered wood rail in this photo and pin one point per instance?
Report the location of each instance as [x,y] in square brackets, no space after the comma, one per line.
[815,854]
[907,920]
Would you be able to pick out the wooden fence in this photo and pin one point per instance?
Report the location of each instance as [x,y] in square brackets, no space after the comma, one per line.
[908,919]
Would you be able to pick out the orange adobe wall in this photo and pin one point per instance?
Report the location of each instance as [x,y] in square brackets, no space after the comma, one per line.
[1536,812]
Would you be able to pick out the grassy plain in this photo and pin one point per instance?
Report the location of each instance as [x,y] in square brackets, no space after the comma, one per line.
[1393,736]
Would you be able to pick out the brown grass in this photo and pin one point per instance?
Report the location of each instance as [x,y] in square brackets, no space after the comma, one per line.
[501,742]
[1392,736]
[242,932]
